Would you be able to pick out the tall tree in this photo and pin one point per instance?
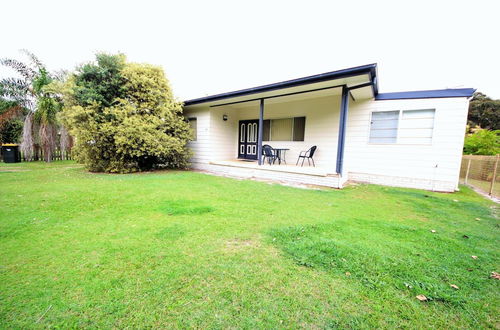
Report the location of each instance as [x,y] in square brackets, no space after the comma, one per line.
[31,90]
[484,112]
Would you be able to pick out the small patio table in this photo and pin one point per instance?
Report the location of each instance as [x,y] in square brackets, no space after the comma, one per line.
[280,154]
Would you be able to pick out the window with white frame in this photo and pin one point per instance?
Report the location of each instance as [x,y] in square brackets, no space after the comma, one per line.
[384,127]
[402,126]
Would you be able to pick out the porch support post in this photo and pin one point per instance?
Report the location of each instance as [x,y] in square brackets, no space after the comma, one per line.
[344,105]
[261,130]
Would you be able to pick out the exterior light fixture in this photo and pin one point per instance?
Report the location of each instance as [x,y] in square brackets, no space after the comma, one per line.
[224,117]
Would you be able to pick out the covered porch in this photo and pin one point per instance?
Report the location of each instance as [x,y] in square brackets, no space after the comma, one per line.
[292,116]
[291,124]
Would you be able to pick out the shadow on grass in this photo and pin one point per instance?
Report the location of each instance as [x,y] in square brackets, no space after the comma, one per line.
[440,206]
[382,261]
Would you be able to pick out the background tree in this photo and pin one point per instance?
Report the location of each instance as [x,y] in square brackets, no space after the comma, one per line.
[482,142]
[31,90]
[11,131]
[484,112]
[124,117]
[11,124]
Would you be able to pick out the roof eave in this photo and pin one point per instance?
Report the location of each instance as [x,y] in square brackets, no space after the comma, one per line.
[370,69]
[427,94]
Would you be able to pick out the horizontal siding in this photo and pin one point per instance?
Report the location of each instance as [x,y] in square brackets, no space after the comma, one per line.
[223,134]
[200,147]
[435,162]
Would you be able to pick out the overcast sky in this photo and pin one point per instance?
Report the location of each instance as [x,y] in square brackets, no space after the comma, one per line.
[208,47]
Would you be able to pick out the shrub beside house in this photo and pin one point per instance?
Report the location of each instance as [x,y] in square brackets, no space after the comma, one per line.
[124,117]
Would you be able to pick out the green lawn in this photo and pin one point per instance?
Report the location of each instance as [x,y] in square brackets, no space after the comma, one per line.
[184,249]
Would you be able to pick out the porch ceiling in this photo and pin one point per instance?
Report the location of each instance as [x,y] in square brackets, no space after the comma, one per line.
[285,98]
[321,84]
[325,88]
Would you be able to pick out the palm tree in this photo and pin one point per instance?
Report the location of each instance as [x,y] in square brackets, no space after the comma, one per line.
[32,91]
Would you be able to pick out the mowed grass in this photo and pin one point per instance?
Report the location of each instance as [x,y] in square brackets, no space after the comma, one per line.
[184,249]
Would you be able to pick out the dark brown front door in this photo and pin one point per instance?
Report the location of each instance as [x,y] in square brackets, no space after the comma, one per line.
[247,139]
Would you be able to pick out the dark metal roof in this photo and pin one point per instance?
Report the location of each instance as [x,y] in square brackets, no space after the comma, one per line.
[438,93]
[344,73]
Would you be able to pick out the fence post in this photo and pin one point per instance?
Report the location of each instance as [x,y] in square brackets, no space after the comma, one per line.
[493,179]
[467,172]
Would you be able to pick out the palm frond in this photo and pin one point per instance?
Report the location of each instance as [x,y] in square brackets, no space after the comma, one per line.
[35,60]
[13,87]
[17,90]
[24,70]
[59,75]
[13,83]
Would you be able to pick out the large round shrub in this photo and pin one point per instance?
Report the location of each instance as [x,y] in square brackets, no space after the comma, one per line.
[124,117]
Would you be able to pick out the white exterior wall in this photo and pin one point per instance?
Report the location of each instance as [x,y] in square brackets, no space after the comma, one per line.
[224,135]
[200,147]
[433,167]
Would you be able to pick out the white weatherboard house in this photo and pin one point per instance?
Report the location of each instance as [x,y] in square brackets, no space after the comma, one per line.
[406,139]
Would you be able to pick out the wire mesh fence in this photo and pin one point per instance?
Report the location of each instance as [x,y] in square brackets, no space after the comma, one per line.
[481,173]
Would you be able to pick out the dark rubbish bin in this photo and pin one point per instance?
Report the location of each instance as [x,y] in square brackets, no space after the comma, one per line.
[10,153]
